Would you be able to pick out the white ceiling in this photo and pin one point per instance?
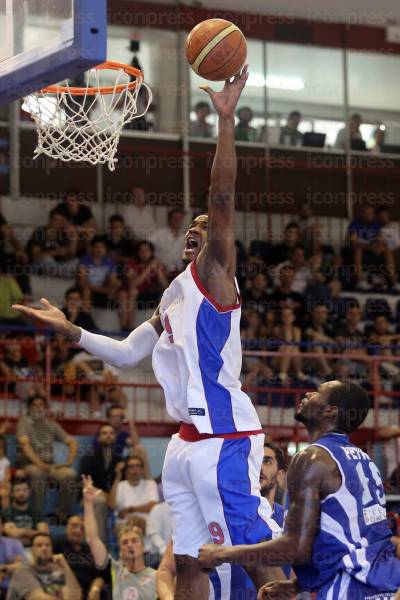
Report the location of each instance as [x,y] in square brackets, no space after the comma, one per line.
[369,12]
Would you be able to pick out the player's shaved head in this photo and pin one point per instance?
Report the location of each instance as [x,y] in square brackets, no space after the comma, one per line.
[352,401]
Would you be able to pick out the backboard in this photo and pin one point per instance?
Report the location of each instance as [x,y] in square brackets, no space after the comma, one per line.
[45,41]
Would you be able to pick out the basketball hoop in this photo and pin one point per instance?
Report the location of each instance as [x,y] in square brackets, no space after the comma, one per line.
[85,123]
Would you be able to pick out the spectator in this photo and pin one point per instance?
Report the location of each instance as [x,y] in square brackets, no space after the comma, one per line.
[289,134]
[10,293]
[134,495]
[389,231]
[97,277]
[36,434]
[74,312]
[159,528]
[290,337]
[12,555]
[291,238]
[74,210]
[168,241]
[254,335]
[15,365]
[379,139]
[77,553]
[244,132]
[390,437]
[361,235]
[256,297]
[49,575]
[302,272]
[5,473]
[200,127]
[52,249]
[382,339]
[100,464]
[321,335]
[120,241]
[20,520]
[12,253]
[353,132]
[131,577]
[126,442]
[139,216]
[147,279]
[284,295]
[310,234]
[88,231]
[350,332]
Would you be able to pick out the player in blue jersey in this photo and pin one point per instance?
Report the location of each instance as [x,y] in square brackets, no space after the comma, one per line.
[336,533]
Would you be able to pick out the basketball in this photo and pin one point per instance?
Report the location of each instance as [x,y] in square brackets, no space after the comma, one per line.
[216,49]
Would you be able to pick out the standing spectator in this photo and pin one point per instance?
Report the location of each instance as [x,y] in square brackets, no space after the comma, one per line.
[99,282]
[291,238]
[48,577]
[120,241]
[139,216]
[74,210]
[100,464]
[244,132]
[200,127]
[73,310]
[379,139]
[168,241]
[36,434]
[353,132]
[12,555]
[147,279]
[135,495]
[77,553]
[131,578]
[51,248]
[21,522]
[290,134]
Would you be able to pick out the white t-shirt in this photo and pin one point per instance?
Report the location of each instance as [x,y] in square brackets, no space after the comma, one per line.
[140,220]
[4,464]
[169,249]
[391,235]
[135,495]
[159,527]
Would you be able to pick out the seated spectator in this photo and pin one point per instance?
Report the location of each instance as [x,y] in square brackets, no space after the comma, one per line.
[52,249]
[379,139]
[12,253]
[134,495]
[361,234]
[289,134]
[383,341]
[74,311]
[20,520]
[390,437]
[87,232]
[244,132]
[97,277]
[319,332]
[99,463]
[48,576]
[74,210]
[353,132]
[131,577]
[378,268]
[291,238]
[389,232]
[310,235]
[303,275]
[146,279]
[36,434]
[139,215]
[5,473]
[169,241]
[10,293]
[256,296]
[127,441]
[350,332]
[290,336]
[74,548]
[15,365]
[120,241]
[200,127]
[12,555]
[284,296]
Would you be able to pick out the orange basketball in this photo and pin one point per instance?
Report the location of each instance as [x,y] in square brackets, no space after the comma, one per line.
[216,49]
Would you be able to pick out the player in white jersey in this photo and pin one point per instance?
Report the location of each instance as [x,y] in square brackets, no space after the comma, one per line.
[211,469]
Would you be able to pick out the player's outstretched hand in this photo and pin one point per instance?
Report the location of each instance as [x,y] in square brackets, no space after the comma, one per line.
[278,590]
[210,556]
[226,100]
[51,316]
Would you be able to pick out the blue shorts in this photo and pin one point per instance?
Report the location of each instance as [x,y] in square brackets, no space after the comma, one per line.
[345,587]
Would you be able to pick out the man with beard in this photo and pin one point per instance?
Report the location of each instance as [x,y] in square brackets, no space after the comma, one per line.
[336,536]
[36,434]
[130,577]
[49,577]
[20,520]
[272,478]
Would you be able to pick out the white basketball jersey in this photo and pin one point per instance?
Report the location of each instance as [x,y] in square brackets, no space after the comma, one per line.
[198,359]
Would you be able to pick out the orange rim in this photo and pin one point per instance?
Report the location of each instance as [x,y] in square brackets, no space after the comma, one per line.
[82,91]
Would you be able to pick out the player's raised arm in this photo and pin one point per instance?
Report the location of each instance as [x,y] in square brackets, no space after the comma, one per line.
[125,353]
[221,207]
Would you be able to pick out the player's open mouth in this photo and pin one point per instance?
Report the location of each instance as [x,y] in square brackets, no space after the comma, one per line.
[192,243]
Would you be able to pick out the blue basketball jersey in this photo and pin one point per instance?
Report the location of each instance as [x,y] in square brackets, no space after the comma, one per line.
[353,536]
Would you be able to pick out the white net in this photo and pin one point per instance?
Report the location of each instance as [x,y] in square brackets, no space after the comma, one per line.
[87,127]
